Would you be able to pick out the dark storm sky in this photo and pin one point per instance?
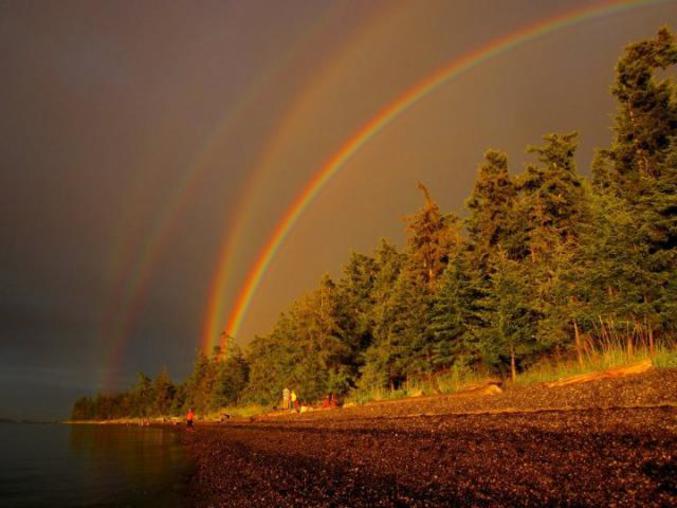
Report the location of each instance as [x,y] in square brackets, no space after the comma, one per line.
[107,107]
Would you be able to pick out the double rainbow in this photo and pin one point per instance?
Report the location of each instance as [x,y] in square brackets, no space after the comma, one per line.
[132,273]
[364,134]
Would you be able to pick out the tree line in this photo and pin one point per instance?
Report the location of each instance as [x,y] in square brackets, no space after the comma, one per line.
[546,263]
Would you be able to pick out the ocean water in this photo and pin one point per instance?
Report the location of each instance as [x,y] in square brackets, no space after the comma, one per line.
[91,465]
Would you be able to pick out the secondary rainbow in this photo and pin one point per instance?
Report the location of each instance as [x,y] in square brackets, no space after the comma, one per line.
[134,272]
[377,123]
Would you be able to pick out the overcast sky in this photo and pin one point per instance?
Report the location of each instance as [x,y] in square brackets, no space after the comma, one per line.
[137,134]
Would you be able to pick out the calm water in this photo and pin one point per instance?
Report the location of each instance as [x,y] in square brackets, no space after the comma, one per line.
[91,465]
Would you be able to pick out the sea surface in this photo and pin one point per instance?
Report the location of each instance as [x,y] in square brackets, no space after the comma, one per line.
[59,465]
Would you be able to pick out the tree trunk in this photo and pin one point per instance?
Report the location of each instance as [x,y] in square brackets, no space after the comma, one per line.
[513,370]
[577,339]
[630,349]
[641,153]
[651,341]
[432,379]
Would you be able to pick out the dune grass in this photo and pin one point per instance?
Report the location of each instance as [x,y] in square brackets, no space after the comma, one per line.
[595,361]
[547,370]
[450,381]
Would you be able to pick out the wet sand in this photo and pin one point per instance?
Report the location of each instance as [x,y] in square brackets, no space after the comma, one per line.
[598,456]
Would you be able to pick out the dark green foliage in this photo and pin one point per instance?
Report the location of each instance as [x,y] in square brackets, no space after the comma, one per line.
[163,391]
[431,236]
[215,382]
[271,359]
[456,313]
[646,121]
[83,409]
[232,374]
[552,200]
[640,169]
[507,330]
[356,299]
[491,206]
[313,349]
[403,345]
[553,208]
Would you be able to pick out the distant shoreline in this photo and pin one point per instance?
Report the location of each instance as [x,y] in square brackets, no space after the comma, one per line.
[645,390]
[140,422]
[9,421]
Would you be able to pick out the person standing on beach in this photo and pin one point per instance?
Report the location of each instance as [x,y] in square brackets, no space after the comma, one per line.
[294,401]
[285,398]
[189,418]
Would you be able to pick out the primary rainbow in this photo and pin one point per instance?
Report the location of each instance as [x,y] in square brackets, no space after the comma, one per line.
[375,125]
[267,157]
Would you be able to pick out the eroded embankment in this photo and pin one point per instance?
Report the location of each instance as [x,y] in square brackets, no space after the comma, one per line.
[657,387]
[601,454]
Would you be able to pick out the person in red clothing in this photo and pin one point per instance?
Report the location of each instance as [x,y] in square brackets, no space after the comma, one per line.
[189,417]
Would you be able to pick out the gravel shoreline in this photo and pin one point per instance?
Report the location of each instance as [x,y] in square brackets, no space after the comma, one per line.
[597,454]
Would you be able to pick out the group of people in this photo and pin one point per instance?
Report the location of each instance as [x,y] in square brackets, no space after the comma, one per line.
[289,400]
[330,401]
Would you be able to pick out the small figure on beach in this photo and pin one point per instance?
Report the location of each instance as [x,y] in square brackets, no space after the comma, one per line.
[286,398]
[330,401]
[294,401]
[189,418]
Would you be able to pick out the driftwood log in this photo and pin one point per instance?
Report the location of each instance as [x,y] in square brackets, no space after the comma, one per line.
[629,370]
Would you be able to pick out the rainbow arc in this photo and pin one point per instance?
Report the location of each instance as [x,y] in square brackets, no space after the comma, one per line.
[367,132]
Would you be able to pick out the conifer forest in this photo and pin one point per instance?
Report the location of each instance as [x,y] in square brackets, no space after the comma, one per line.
[546,263]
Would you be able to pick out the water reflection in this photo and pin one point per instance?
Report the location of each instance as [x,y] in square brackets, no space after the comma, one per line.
[91,465]
[146,463]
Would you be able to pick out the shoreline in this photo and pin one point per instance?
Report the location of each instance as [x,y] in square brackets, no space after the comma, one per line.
[386,455]
[649,389]
[610,441]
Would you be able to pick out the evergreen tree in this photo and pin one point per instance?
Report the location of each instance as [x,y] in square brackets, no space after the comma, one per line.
[83,409]
[640,169]
[379,359]
[456,313]
[507,332]
[232,373]
[491,206]
[200,384]
[325,366]
[406,347]
[143,396]
[430,237]
[552,199]
[552,208]
[271,360]
[163,390]
[646,120]
[354,304]
[308,351]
